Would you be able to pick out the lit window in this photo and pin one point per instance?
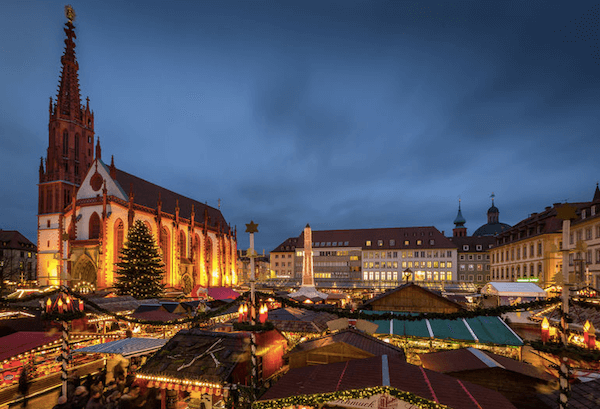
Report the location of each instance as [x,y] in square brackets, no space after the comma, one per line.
[368,243]
[419,242]
[380,243]
[406,242]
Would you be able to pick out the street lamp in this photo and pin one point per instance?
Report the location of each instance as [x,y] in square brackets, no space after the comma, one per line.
[407,274]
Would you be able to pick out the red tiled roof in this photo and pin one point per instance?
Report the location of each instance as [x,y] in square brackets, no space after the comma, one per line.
[359,238]
[364,373]
[24,341]
[464,360]
[147,194]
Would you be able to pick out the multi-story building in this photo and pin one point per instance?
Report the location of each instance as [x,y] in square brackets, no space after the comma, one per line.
[474,251]
[17,258]
[261,267]
[531,249]
[370,257]
[584,239]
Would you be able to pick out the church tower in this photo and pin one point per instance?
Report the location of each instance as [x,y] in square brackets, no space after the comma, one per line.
[68,157]
[459,230]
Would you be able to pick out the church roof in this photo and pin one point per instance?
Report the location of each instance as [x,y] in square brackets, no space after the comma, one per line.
[491,229]
[147,194]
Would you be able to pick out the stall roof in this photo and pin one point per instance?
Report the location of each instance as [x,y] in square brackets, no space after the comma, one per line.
[484,329]
[513,289]
[384,371]
[127,347]
[23,341]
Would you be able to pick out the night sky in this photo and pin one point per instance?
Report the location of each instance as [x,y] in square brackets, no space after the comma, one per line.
[341,114]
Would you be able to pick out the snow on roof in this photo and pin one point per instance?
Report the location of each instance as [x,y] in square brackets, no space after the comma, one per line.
[513,289]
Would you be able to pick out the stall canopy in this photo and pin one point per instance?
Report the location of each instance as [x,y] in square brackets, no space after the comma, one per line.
[21,342]
[524,290]
[482,329]
[128,347]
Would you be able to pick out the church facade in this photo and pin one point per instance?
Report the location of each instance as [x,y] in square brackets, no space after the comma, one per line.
[86,207]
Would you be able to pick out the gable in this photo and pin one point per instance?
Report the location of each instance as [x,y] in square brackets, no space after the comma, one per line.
[94,180]
[412,298]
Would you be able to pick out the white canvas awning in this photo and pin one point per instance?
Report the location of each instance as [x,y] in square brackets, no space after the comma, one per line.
[502,289]
[128,347]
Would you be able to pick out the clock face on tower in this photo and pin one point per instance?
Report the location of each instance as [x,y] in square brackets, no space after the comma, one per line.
[96,181]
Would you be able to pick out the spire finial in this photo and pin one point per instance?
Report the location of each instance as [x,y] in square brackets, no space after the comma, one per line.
[70,13]
[492,196]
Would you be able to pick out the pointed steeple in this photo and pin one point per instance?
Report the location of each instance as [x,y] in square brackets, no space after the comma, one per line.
[460,220]
[68,98]
[459,230]
[596,194]
[98,149]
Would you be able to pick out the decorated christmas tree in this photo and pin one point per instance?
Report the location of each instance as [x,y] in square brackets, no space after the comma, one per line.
[140,270]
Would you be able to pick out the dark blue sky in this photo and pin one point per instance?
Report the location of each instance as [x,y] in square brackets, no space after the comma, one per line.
[341,114]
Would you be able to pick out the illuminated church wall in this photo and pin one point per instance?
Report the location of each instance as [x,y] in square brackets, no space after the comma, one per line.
[76,187]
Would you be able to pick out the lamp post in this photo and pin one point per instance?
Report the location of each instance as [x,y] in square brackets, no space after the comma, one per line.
[407,274]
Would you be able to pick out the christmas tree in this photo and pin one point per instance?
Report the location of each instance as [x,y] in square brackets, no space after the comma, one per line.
[140,271]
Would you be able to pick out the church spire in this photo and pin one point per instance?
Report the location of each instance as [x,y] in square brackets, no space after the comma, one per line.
[68,99]
[460,230]
[596,194]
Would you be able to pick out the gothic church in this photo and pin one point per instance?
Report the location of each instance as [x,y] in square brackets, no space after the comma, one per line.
[85,207]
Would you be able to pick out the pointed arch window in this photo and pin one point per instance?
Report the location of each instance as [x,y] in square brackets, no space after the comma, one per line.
[164,247]
[65,142]
[118,240]
[76,146]
[182,245]
[94,226]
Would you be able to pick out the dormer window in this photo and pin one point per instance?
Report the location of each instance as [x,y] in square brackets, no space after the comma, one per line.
[431,242]
[583,214]
[392,242]
[465,247]
[419,242]
[593,211]
[478,247]
[380,243]
[368,243]
[406,242]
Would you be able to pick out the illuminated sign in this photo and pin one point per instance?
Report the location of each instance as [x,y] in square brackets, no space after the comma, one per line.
[528,280]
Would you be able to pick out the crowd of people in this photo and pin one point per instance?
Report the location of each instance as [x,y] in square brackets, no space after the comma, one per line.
[121,392]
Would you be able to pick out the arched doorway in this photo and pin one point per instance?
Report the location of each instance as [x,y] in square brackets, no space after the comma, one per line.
[84,270]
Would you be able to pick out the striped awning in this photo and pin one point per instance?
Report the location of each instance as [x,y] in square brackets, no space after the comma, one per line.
[478,329]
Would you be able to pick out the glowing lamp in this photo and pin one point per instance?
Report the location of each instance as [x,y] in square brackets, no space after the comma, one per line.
[59,304]
[589,335]
[241,313]
[263,313]
[81,305]
[545,330]
[48,305]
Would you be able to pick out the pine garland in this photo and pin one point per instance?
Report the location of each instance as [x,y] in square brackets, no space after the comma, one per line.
[319,399]
[140,271]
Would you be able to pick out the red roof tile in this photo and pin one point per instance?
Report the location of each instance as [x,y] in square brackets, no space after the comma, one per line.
[147,194]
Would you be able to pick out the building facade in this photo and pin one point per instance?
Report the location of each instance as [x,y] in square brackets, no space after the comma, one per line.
[473,251]
[370,258]
[261,267]
[86,207]
[18,258]
[584,240]
[530,250]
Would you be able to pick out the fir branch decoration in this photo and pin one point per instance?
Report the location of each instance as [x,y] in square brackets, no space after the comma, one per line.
[140,271]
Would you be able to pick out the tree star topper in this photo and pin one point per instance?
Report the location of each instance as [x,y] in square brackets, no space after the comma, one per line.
[251,227]
[69,13]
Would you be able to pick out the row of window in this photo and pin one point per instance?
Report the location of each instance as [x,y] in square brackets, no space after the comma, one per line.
[288,256]
[471,267]
[588,257]
[470,277]
[517,272]
[498,257]
[22,254]
[471,257]
[427,264]
[578,235]
[392,243]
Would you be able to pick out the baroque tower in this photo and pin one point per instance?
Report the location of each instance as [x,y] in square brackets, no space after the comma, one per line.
[68,157]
